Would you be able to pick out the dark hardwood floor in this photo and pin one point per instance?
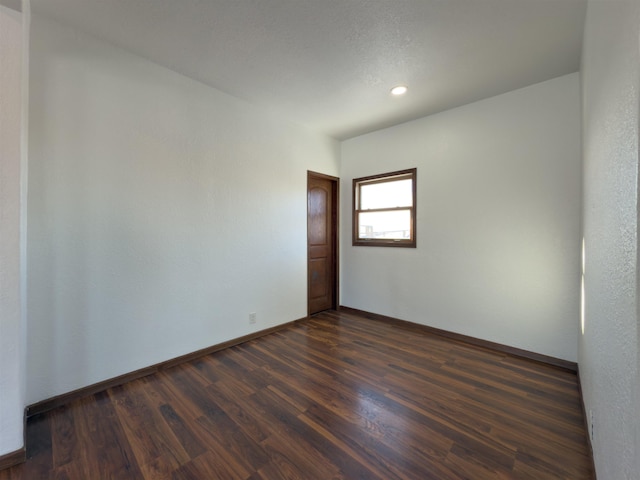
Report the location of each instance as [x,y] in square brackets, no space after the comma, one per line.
[334,397]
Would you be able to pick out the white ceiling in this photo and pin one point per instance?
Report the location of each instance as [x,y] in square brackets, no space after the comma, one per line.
[329,64]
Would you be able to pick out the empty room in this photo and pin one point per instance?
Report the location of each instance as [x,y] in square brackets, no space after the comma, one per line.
[297,239]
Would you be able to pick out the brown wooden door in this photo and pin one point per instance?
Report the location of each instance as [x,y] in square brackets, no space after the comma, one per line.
[322,247]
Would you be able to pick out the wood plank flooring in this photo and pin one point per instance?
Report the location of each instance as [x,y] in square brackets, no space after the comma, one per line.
[334,397]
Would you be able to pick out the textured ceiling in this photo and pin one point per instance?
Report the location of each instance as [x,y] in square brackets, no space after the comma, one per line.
[329,64]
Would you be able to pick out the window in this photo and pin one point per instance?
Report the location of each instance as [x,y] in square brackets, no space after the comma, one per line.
[384,209]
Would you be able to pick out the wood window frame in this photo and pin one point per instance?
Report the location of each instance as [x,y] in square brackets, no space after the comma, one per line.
[411,173]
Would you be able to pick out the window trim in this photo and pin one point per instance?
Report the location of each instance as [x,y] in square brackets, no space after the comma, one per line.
[412,174]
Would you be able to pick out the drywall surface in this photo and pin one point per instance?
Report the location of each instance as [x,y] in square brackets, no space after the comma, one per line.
[498,214]
[161,213]
[608,350]
[11,346]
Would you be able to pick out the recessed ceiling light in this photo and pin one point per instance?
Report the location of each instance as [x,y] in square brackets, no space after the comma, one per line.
[399,90]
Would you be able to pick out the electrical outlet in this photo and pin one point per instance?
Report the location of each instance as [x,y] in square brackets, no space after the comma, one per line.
[591,424]
[252,318]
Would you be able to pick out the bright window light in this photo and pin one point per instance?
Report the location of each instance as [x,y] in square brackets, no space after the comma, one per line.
[384,209]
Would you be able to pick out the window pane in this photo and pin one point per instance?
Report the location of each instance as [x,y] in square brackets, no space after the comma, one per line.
[384,209]
[395,225]
[386,195]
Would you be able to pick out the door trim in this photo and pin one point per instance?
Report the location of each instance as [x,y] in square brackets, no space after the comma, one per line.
[335,220]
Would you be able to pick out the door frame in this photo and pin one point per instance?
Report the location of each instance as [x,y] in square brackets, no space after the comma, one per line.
[335,222]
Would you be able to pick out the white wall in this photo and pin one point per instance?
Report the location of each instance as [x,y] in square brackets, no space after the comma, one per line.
[608,350]
[11,328]
[161,213]
[498,220]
